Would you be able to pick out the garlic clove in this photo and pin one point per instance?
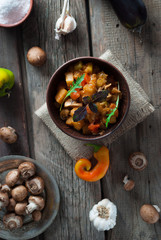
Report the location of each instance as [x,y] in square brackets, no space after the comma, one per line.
[58,25]
[69,24]
[65,23]
[100,224]
[93,214]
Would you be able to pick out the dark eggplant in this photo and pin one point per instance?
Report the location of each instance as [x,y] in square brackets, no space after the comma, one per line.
[131,13]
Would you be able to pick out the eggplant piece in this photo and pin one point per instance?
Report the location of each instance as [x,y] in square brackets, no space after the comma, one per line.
[131,13]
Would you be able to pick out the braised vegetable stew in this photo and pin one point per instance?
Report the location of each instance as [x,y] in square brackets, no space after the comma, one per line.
[88,99]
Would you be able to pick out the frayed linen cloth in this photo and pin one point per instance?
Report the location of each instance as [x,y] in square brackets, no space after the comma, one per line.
[140,108]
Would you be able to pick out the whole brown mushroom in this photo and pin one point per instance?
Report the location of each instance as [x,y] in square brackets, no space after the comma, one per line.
[128,183]
[35,203]
[8,134]
[27,170]
[138,161]
[19,193]
[4,200]
[12,177]
[35,185]
[12,221]
[36,215]
[20,208]
[150,213]
[36,56]
[11,205]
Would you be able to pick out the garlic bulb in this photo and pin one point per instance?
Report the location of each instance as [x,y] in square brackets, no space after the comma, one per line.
[66,23]
[103,215]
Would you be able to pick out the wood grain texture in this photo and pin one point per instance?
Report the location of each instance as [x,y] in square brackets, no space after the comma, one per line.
[143,61]
[77,196]
[12,109]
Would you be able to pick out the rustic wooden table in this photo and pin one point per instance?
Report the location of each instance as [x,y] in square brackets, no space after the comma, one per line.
[98,29]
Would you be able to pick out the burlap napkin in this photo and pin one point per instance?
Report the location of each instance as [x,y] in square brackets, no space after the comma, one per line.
[140,108]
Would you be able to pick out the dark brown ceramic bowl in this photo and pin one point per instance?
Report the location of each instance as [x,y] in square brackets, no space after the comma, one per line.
[16,17]
[107,68]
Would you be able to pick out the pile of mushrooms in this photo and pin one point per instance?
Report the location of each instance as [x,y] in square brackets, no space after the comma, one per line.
[149,213]
[21,195]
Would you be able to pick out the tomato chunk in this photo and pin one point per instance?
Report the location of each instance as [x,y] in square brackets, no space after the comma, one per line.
[94,127]
[88,110]
[112,105]
[86,80]
[75,95]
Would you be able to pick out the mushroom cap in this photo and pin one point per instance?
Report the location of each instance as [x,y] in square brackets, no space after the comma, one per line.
[27,170]
[35,185]
[11,205]
[36,215]
[8,135]
[36,56]
[138,161]
[4,199]
[12,177]
[149,213]
[5,188]
[12,221]
[129,185]
[38,201]
[19,193]
[20,208]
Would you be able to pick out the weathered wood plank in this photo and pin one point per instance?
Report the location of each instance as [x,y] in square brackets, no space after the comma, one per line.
[143,62]
[77,196]
[12,109]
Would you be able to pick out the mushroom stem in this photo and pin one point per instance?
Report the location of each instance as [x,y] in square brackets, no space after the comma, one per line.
[157,208]
[125,180]
[31,207]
